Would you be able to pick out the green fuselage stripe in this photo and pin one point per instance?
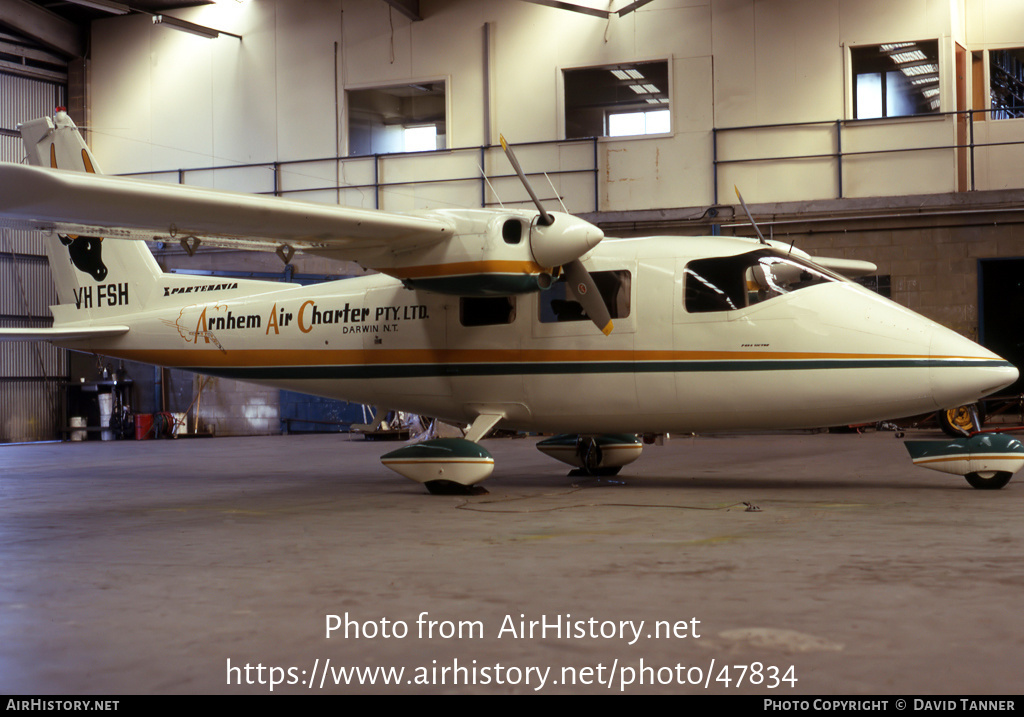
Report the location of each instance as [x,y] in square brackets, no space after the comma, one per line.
[425,370]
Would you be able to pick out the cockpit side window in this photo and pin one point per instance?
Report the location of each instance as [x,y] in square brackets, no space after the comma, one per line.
[733,282]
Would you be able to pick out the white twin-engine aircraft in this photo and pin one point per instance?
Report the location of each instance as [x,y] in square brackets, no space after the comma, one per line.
[516,319]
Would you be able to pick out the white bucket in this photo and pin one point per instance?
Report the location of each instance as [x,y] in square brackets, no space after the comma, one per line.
[78,422]
[106,409]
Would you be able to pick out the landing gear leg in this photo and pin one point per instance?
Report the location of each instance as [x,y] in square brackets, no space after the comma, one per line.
[589,454]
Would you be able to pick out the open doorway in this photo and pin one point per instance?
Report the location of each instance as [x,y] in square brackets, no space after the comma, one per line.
[1001,311]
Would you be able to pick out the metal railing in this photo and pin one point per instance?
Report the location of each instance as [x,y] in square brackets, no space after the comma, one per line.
[970,146]
[376,167]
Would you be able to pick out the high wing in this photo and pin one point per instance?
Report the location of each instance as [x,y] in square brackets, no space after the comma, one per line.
[464,252]
[78,203]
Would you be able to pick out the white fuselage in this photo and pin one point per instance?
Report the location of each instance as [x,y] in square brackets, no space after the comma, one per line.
[828,354]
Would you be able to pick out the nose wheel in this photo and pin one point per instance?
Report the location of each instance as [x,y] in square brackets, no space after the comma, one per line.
[962,420]
[989,480]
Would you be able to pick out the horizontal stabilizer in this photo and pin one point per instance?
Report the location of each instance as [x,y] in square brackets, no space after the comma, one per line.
[62,334]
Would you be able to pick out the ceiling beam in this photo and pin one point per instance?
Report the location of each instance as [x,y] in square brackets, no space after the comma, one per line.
[591,11]
[633,6]
[409,8]
[43,26]
[558,4]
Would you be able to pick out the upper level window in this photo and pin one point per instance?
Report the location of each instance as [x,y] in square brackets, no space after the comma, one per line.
[1006,82]
[617,100]
[626,124]
[895,80]
[403,118]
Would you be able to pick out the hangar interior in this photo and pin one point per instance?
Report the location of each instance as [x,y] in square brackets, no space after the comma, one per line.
[864,129]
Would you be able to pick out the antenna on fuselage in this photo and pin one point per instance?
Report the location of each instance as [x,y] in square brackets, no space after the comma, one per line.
[747,211]
[490,186]
[555,192]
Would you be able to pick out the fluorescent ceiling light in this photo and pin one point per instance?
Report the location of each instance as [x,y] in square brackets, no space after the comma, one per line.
[190,27]
[915,70]
[110,6]
[910,56]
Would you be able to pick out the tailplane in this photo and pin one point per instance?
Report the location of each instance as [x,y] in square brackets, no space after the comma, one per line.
[95,280]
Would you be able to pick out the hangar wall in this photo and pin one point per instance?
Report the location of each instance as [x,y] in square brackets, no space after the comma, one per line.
[31,373]
[165,100]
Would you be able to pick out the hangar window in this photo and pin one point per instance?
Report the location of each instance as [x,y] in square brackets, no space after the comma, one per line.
[733,282]
[557,305]
[895,80]
[487,310]
[617,100]
[403,118]
[1006,83]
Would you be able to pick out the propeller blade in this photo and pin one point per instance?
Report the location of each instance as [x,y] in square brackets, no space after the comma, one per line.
[584,290]
[752,222]
[545,218]
[554,246]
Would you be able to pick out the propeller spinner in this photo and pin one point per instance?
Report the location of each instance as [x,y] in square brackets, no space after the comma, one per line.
[558,239]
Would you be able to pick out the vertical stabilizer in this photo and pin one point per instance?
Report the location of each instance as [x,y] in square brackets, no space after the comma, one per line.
[95,279]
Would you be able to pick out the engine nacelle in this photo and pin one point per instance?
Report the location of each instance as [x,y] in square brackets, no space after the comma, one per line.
[593,455]
[490,255]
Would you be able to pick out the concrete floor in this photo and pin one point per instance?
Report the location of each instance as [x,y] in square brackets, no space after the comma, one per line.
[153,567]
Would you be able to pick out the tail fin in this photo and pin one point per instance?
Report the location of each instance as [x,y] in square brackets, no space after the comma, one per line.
[95,280]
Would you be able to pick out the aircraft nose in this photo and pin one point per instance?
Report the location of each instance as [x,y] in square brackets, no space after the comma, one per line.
[961,371]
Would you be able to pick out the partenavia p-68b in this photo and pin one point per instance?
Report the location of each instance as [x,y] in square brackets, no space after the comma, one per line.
[509,318]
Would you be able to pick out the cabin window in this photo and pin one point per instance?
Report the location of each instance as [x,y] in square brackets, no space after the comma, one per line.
[621,100]
[895,80]
[487,310]
[734,282]
[557,303]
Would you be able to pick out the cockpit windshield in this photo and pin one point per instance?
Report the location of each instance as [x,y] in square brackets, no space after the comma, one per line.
[734,282]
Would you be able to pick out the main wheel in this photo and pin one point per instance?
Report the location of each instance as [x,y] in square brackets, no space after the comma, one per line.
[957,422]
[989,480]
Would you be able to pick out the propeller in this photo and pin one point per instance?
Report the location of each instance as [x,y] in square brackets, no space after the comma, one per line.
[560,240]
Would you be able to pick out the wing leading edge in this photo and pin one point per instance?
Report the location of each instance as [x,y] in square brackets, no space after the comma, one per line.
[96,205]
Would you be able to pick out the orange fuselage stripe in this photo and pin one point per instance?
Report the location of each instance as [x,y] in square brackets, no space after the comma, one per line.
[462,268]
